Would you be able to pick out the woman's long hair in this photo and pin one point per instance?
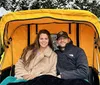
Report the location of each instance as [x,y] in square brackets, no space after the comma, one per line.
[35,46]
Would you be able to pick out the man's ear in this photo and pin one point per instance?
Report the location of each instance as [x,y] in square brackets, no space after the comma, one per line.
[69,39]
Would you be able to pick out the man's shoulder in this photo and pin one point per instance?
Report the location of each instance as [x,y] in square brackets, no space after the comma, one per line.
[79,49]
[76,47]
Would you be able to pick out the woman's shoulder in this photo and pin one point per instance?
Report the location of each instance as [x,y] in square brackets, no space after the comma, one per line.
[54,53]
[49,51]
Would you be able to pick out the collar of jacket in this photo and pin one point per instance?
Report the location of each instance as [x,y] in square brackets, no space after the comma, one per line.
[68,46]
[47,52]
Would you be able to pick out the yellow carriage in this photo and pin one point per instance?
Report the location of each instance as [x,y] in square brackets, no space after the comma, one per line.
[19,29]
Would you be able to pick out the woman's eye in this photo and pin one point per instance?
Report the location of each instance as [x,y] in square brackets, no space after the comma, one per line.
[46,38]
[41,38]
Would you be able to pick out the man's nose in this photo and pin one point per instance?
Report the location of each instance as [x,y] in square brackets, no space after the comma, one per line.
[62,39]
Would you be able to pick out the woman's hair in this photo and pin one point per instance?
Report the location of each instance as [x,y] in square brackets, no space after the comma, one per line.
[35,46]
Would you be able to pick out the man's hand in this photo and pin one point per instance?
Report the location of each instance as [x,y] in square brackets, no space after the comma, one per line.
[59,76]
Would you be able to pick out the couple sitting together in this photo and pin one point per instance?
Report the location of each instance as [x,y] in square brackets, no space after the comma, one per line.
[40,65]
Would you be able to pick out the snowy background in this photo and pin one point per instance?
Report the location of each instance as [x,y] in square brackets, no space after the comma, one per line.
[16,5]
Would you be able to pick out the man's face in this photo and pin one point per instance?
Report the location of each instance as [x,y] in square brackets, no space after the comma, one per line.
[62,41]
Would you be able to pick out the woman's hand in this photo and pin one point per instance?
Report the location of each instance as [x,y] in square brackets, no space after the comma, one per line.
[28,77]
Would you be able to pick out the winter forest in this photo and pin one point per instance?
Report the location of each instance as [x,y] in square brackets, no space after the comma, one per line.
[16,5]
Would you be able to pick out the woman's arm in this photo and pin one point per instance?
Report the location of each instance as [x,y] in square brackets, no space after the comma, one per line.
[20,70]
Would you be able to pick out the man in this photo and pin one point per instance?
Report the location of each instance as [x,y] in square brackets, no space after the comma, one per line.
[72,61]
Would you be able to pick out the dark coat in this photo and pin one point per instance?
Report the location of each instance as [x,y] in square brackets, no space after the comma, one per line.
[72,63]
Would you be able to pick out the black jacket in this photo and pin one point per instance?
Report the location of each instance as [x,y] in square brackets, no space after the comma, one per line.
[72,63]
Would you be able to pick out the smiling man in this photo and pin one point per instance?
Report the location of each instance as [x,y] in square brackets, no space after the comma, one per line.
[72,61]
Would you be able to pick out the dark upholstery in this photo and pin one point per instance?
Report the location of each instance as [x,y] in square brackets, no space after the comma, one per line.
[93,76]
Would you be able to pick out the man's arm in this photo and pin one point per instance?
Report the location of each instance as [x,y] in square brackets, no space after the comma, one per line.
[81,71]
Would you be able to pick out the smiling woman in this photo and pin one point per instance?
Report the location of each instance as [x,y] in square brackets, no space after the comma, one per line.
[37,59]
[43,40]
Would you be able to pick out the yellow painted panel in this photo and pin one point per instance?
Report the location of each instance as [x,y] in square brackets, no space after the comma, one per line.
[86,38]
[19,41]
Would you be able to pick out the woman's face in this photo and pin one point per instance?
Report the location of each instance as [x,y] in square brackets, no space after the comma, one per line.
[43,40]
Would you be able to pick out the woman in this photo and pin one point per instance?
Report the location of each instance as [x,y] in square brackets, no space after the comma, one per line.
[36,60]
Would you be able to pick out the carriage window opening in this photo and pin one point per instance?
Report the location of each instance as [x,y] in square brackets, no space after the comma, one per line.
[54,36]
